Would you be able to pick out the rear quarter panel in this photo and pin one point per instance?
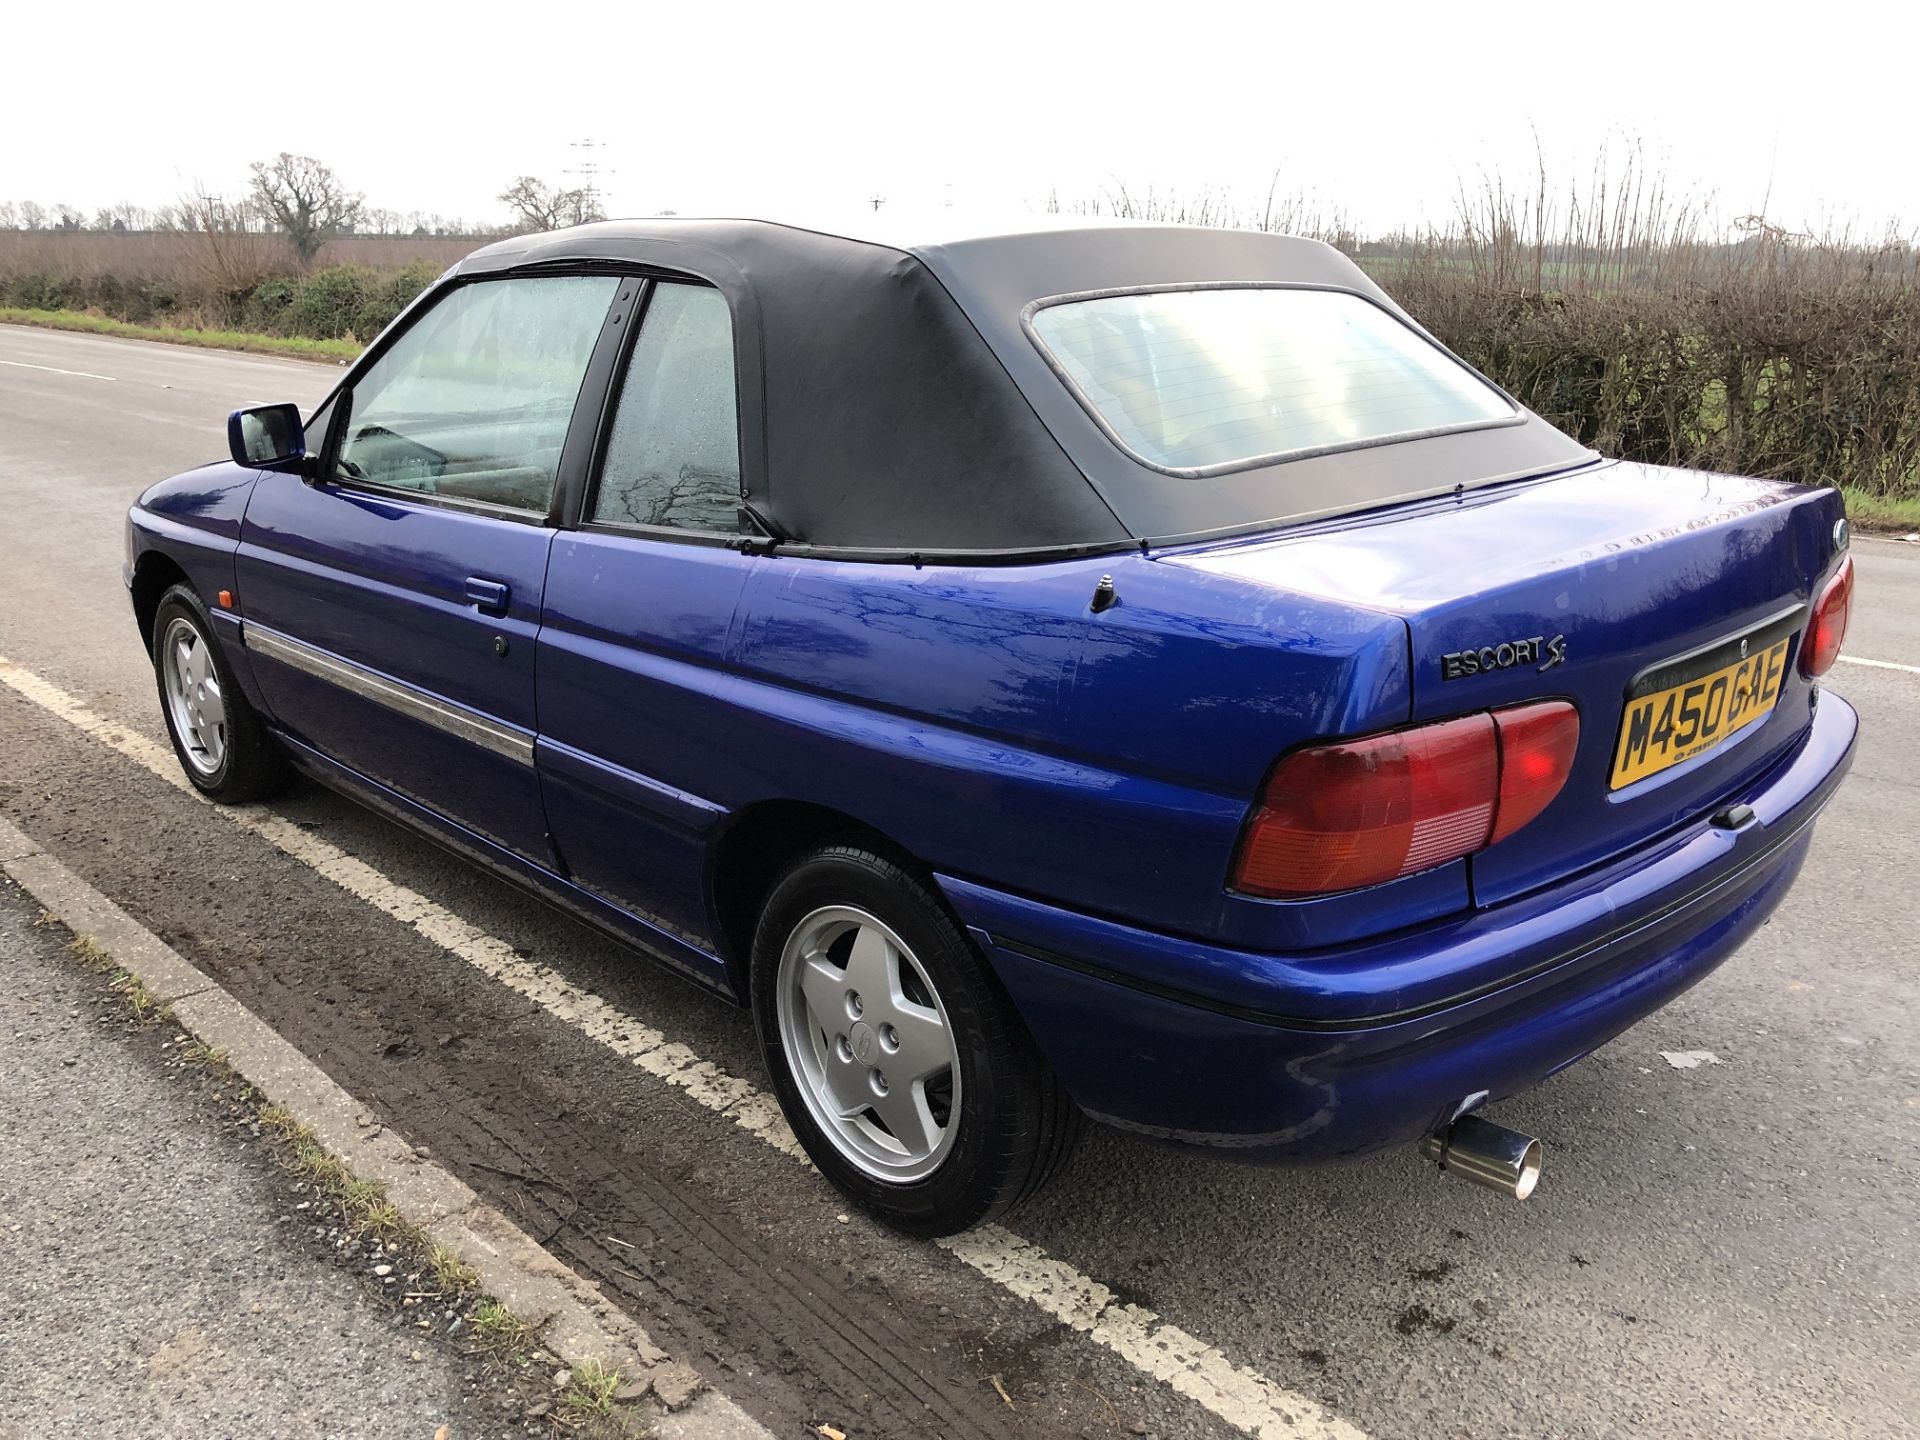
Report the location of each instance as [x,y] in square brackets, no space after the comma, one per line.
[995,726]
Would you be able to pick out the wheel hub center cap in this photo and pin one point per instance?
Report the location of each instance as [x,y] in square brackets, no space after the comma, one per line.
[863,1041]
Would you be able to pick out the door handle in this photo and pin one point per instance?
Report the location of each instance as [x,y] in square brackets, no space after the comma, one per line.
[488,596]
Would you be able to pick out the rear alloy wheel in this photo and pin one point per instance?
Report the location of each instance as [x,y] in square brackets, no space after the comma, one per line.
[218,736]
[899,1062]
[869,1042]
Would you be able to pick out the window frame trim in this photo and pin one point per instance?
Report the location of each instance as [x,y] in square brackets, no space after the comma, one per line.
[1518,416]
[582,518]
[340,399]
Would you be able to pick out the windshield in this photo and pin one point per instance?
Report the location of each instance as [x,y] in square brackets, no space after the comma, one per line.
[1208,380]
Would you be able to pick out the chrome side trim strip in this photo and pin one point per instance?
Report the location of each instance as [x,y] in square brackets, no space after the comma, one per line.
[690,814]
[416,704]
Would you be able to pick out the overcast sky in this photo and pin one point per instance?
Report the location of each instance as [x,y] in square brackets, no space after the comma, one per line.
[1374,109]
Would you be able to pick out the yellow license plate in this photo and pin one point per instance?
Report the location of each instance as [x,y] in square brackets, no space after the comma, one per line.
[1672,725]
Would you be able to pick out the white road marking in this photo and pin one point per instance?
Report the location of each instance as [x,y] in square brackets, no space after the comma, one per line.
[55,370]
[1242,1397]
[1880,664]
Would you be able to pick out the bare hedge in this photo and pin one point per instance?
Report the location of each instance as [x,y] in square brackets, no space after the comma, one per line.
[1791,371]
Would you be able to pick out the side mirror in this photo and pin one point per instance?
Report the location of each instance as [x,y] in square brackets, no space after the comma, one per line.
[267,437]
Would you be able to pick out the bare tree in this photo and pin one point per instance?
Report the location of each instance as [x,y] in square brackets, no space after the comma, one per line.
[306,200]
[539,206]
[9,215]
[582,208]
[230,256]
[531,203]
[33,215]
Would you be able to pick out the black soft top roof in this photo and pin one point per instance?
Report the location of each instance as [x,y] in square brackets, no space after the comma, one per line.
[892,401]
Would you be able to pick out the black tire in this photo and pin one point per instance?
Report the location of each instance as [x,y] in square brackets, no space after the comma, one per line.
[251,765]
[1016,1123]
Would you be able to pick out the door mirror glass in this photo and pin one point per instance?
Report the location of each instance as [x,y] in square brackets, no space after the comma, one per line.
[266,436]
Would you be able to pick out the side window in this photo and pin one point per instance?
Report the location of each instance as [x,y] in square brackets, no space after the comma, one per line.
[473,401]
[673,458]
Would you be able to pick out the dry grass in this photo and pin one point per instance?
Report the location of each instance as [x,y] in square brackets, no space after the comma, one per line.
[501,1335]
[451,1273]
[278,1122]
[588,1397]
[83,948]
[363,1204]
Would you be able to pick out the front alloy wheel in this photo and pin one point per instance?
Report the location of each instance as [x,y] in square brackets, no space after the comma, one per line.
[194,702]
[223,744]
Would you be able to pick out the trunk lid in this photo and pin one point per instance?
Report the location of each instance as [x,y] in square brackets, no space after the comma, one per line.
[1614,582]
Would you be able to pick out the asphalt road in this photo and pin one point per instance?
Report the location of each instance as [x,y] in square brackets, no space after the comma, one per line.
[1724,1249]
[158,1280]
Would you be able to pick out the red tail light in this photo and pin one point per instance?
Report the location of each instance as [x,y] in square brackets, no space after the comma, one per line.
[1360,812]
[1828,628]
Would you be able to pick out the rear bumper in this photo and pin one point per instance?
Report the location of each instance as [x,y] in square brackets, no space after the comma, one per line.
[1300,1057]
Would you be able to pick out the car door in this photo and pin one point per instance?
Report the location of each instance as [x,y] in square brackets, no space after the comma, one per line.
[391,600]
[633,684]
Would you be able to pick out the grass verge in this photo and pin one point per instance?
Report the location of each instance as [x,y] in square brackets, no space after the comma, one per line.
[1877,512]
[291,345]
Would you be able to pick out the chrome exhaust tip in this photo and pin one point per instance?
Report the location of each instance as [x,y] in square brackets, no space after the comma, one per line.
[1487,1154]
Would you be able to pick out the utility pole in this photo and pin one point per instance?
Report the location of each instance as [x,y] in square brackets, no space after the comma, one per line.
[878,200]
[589,169]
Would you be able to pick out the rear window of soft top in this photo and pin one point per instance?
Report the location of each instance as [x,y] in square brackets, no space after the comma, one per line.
[1201,381]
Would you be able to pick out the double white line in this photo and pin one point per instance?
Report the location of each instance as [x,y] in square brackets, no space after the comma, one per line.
[1241,1397]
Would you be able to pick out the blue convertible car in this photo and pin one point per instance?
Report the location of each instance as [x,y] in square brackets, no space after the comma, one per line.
[1123,671]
